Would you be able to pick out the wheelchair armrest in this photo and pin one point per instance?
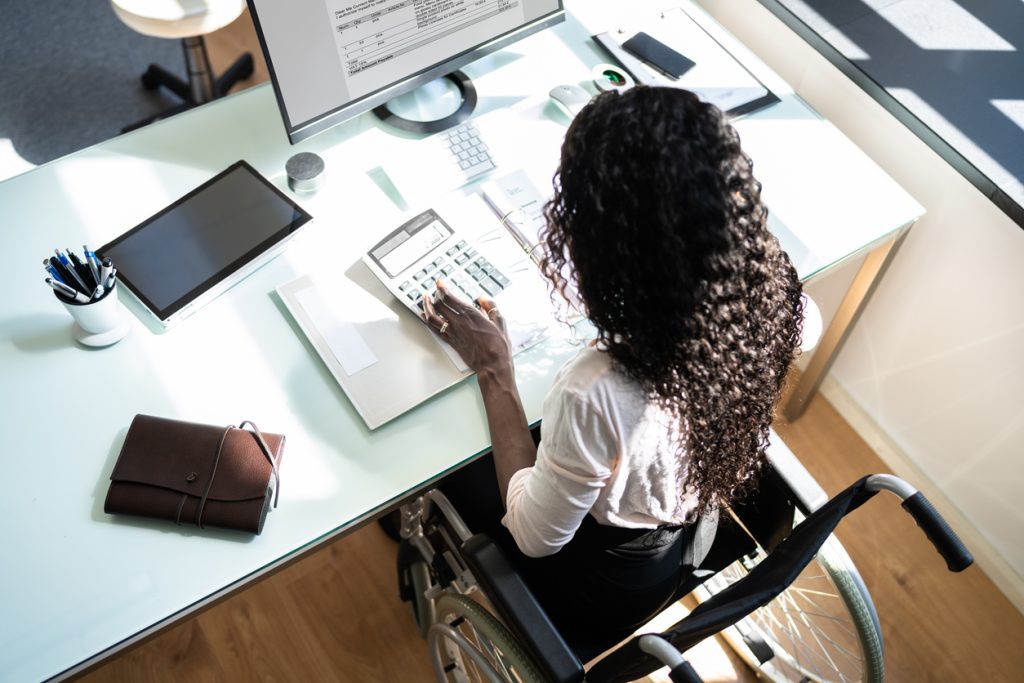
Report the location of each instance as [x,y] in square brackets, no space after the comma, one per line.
[520,611]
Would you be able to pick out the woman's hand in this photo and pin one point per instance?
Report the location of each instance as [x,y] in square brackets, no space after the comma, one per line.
[479,336]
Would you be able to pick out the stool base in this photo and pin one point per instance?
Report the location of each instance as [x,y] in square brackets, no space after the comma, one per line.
[201,86]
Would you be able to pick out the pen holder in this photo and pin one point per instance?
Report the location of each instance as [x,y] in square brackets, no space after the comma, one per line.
[97,323]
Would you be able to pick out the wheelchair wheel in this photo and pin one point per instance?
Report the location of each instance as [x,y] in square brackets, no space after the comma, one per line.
[423,608]
[468,643]
[822,628]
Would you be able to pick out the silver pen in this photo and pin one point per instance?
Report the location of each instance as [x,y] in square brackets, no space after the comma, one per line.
[105,269]
[68,292]
[90,259]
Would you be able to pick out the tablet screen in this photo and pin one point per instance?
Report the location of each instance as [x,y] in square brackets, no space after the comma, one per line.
[198,241]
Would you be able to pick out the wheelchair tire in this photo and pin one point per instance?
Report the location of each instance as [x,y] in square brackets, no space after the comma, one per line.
[468,643]
[823,628]
[423,608]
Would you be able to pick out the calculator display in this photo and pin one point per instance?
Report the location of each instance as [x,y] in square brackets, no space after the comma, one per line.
[410,242]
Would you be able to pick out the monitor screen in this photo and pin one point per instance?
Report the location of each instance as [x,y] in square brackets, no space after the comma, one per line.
[332,59]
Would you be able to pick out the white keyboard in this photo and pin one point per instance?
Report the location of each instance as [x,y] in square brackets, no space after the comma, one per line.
[467,151]
[444,162]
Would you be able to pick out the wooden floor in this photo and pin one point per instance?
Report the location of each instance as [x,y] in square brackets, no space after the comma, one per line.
[227,44]
[937,626]
[335,615]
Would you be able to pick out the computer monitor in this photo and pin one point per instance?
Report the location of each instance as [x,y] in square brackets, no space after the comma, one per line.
[330,60]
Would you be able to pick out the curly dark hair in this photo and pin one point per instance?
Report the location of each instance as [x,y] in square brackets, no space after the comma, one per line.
[658,212]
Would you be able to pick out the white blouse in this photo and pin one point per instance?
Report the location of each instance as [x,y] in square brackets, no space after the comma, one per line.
[605,450]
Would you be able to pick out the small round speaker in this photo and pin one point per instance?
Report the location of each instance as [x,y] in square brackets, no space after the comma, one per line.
[305,172]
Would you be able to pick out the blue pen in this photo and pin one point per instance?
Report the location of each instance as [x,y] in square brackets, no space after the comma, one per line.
[65,276]
[70,267]
[52,271]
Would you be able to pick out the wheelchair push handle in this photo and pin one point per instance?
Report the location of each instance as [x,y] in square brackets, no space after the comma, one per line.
[945,540]
[680,670]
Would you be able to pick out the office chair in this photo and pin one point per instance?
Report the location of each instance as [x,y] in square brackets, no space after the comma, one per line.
[505,635]
[189,21]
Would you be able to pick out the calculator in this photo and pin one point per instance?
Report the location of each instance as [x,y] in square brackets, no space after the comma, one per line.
[425,248]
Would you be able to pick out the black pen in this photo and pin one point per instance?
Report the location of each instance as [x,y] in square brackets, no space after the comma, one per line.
[63,272]
[86,275]
[70,268]
[83,272]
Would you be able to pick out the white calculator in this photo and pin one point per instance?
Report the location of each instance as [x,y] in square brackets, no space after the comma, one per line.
[425,248]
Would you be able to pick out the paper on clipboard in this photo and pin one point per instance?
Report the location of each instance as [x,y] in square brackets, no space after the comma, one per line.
[341,335]
[717,78]
[519,205]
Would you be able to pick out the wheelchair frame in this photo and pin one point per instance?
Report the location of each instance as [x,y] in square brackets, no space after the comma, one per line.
[442,563]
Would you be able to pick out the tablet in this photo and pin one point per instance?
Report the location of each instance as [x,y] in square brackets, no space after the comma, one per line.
[202,244]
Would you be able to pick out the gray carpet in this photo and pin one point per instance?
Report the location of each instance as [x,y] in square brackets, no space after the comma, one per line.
[70,75]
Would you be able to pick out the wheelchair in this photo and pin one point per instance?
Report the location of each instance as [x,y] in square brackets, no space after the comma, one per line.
[769,575]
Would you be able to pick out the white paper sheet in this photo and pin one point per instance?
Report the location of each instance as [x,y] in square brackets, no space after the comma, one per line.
[344,340]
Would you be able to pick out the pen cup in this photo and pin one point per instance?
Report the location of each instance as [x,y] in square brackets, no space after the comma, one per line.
[97,323]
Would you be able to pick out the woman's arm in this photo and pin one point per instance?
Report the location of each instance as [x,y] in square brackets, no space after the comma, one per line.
[482,341]
[510,434]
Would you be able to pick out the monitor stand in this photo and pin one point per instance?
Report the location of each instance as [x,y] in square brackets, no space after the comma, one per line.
[433,107]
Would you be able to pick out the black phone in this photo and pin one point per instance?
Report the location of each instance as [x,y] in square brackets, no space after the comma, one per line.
[658,55]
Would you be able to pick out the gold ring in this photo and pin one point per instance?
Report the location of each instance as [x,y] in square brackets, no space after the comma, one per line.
[444,327]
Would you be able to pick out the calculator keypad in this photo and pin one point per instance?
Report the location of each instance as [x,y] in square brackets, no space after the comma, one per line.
[468,274]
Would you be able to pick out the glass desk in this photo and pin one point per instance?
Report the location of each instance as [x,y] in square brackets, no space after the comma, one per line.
[79,585]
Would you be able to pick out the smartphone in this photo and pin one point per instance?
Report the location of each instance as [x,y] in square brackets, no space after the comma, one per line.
[658,55]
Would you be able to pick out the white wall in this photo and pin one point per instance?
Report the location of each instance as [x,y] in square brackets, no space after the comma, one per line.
[933,373]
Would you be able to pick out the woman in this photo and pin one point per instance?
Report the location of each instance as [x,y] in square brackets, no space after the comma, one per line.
[697,313]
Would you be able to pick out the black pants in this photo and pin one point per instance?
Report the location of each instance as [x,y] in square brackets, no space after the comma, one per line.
[606,582]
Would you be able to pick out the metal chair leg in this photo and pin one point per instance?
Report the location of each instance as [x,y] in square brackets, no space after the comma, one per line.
[156,76]
[239,71]
[200,75]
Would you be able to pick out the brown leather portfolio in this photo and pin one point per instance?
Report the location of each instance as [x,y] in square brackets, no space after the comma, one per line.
[188,473]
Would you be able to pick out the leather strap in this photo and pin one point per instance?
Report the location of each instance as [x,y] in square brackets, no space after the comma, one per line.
[216,462]
[213,474]
[270,457]
[181,505]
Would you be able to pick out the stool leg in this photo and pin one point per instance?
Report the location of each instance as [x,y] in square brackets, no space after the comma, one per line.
[200,76]
[239,71]
[156,75]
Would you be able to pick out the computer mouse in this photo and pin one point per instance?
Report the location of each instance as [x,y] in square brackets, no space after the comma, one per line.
[570,98]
